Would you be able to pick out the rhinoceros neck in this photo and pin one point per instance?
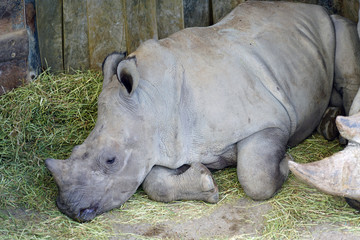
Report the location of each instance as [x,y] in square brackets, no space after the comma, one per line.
[160,95]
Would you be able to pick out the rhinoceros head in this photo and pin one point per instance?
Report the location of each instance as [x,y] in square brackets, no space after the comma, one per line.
[104,171]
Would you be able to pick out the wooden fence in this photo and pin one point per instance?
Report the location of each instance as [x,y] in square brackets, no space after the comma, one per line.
[79,34]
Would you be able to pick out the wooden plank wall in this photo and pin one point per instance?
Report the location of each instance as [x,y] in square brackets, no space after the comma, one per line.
[49,25]
[79,34]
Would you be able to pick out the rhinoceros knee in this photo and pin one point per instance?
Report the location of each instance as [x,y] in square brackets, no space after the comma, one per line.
[157,185]
[260,191]
[158,188]
[265,184]
[262,163]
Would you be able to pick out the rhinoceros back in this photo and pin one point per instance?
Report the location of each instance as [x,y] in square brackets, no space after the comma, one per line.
[265,65]
[288,48]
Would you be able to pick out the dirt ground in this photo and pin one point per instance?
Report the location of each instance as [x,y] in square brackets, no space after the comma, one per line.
[242,219]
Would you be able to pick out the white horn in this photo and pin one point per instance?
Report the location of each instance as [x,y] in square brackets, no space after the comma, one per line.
[337,175]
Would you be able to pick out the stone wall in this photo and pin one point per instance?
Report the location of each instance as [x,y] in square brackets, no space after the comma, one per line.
[79,34]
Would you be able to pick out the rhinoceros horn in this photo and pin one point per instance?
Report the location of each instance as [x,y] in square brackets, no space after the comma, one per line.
[338,174]
[57,168]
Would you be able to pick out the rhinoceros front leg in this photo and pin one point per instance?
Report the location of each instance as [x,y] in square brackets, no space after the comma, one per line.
[262,166]
[189,182]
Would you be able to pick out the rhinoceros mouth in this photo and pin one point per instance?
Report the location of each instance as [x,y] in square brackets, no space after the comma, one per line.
[84,214]
[87,214]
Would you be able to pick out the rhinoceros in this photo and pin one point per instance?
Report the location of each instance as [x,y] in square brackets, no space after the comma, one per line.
[236,93]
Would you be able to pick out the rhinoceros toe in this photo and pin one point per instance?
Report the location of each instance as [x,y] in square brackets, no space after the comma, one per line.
[209,188]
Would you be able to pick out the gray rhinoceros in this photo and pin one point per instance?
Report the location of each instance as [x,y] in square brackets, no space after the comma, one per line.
[233,94]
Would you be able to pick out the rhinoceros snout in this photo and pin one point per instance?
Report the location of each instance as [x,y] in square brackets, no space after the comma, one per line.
[79,214]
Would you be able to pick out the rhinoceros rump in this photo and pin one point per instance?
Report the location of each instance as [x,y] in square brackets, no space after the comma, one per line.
[232,94]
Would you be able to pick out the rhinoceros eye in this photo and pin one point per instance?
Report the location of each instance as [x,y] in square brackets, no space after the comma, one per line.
[110,160]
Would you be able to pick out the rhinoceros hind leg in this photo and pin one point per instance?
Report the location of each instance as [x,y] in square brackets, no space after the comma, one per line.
[189,182]
[347,61]
[353,203]
[327,126]
[262,165]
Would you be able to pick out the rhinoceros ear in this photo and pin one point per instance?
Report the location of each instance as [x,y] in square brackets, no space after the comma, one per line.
[110,64]
[128,75]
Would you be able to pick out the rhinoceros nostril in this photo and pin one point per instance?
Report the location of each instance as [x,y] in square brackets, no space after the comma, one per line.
[86,214]
[86,211]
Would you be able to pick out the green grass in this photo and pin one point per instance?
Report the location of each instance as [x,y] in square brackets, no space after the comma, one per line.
[49,116]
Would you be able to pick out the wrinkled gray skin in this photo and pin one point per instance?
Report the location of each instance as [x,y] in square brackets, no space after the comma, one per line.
[233,94]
